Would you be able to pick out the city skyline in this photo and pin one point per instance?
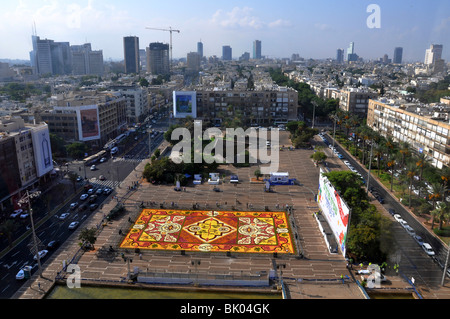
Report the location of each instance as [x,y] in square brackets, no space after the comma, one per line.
[312,31]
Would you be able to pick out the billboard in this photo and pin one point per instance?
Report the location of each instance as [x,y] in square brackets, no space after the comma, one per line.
[184,104]
[42,150]
[88,123]
[335,211]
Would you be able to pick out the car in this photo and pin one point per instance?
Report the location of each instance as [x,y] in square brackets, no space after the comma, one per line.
[74,205]
[88,187]
[418,239]
[41,254]
[428,250]
[91,191]
[99,191]
[409,230]
[93,168]
[346,162]
[93,207]
[73,225]
[25,272]
[102,177]
[16,213]
[403,223]
[391,211]
[398,217]
[340,156]
[84,196]
[234,179]
[83,207]
[24,215]
[107,191]
[53,244]
[79,179]
[64,216]
[92,198]
[103,159]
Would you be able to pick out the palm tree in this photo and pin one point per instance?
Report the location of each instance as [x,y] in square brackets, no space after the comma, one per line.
[441,213]
[404,149]
[411,170]
[436,191]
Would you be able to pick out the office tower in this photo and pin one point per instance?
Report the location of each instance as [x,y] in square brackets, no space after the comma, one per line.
[340,56]
[86,61]
[257,49]
[351,55]
[158,58]
[50,57]
[433,54]
[245,56]
[200,49]
[226,53]
[143,60]
[193,61]
[131,54]
[398,55]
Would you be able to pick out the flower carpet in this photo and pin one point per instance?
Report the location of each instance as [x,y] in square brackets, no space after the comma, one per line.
[210,231]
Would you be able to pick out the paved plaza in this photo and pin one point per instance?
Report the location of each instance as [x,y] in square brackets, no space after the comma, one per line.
[311,272]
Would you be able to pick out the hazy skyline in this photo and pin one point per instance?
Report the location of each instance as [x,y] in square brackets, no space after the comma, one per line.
[311,29]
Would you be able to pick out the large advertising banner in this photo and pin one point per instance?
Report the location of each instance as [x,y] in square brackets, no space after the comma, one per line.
[184,104]
[335,210]
[88,123]
[42,150]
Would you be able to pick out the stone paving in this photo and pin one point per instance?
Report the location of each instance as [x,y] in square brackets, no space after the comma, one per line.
[316,275]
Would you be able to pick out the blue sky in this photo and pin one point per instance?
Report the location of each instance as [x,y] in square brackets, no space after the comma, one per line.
[313,29]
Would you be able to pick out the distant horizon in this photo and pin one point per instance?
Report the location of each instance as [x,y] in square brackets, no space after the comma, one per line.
[292,27]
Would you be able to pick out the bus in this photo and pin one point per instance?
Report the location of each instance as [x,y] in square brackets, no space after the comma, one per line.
[94,158]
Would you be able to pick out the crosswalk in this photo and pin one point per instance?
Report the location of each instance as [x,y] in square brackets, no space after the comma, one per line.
[137,159]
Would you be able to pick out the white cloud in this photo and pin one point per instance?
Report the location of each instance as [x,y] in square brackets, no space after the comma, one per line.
[237,18]
[280,23]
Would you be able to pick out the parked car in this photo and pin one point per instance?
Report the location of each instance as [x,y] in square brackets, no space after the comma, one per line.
[428,250]
[391,211]
[397,217]
[73,225]
[418,239]
[410,230]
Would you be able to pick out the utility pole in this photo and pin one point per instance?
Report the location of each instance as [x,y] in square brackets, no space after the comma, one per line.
[370,165]
[35,250]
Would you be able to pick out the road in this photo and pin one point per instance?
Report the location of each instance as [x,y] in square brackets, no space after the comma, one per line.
[414,262]
[115,170]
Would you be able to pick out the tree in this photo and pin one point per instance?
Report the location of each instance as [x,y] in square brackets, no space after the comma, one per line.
[258,174]
[58,145]
[88,235]
[144,82]
[318,157]
[77,150]
[73,178]
[410,173]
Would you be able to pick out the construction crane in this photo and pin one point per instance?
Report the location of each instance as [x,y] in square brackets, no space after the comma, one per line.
[169,30]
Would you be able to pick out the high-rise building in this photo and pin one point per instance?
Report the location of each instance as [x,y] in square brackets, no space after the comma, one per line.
[200,49]
[193,61]
[227,54]
[50,57]
[398,55]
[433,54]
[158,61]
[143,60]
[131,54]
[86,61]
[257,49]
[340,56]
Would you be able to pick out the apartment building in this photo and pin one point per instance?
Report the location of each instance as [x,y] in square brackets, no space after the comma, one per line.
[91,117]
[356,100]
[258,107]
[424,128]
[26,157]
[137,101]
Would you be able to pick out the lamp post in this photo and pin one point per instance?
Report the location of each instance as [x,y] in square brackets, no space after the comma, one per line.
[26,200]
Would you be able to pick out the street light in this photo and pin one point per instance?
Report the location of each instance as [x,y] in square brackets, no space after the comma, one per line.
[26,199]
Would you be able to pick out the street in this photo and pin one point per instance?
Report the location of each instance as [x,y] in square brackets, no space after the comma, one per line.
[114,170]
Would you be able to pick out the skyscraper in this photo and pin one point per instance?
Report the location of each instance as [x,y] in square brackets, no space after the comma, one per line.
[257,49]
[227,53]
[200,49]
[86,61]
[340,56]
[398,55]
[50,57]
[433,54]
[158,58]
[131,54]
